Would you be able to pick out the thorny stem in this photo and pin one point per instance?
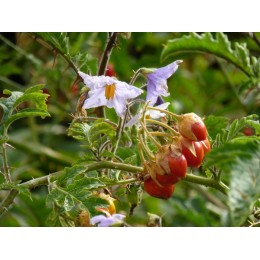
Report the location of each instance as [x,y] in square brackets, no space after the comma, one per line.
[106,165]
[163,125]
[56,50]
[107,52]
[5,165]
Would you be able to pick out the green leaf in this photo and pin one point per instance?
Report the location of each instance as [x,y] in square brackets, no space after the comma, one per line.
[93,135]
[218,45]
[215,124]
[61,43]
[244,187]
[255,125]
[10,106]
[227,155]
[236,126]
[15,186]
[76,196]
[27,112]
[70,173]
[58,40]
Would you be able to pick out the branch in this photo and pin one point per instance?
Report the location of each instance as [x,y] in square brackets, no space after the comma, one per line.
[108,165]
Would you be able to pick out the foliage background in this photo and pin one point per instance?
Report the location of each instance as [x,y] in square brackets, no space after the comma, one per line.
[204,84]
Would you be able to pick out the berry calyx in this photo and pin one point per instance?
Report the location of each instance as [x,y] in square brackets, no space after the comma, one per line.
[192,127]
[193,152]
[206,146]
[164,192]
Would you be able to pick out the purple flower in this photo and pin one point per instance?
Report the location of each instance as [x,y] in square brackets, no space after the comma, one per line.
[156,81]
[106,221]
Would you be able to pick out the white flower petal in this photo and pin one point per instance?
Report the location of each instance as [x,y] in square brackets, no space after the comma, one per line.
[96,98]
[119,105]
[157,114]
[127,91]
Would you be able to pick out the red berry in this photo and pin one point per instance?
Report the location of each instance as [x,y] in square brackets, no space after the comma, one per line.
[199,130]
[164,192]
[206,146]
[192,160]
[192,127]
[248,131]
[110,70]
[178,167]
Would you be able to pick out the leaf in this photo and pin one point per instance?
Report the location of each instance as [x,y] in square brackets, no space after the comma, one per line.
[215,124]
[61,43]
[236,126]
[27,112]
[255,125]
[70,173]
[58,40]
[244,188]
[11,112]
[218,45]
[21,189]
[94,135]
[76,197]
[227,155]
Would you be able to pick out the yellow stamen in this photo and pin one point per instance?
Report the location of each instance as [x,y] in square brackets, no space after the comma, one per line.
[110,91]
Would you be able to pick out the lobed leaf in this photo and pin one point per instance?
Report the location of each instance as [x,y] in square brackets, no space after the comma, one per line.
[215,124]
[27,112]
[218,45]
[227,155]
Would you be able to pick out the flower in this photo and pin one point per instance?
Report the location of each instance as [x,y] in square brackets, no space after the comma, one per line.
[154,114]
[156,81]
[107,91]
[106,221]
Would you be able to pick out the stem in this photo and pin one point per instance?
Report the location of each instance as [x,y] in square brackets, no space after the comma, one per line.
[144,146]
[177,117]
[150,136]
[207,195]
[136,74]
[161,134]
[107,165]
[120,129]
[141,153]
[207,182]
[107,52]
[5,165]
[163,125]
[7,201]
[56,50]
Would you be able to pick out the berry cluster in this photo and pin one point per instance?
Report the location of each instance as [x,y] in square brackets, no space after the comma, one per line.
[171,161]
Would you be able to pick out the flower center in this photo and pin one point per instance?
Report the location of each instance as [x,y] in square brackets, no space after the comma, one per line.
[110,91]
